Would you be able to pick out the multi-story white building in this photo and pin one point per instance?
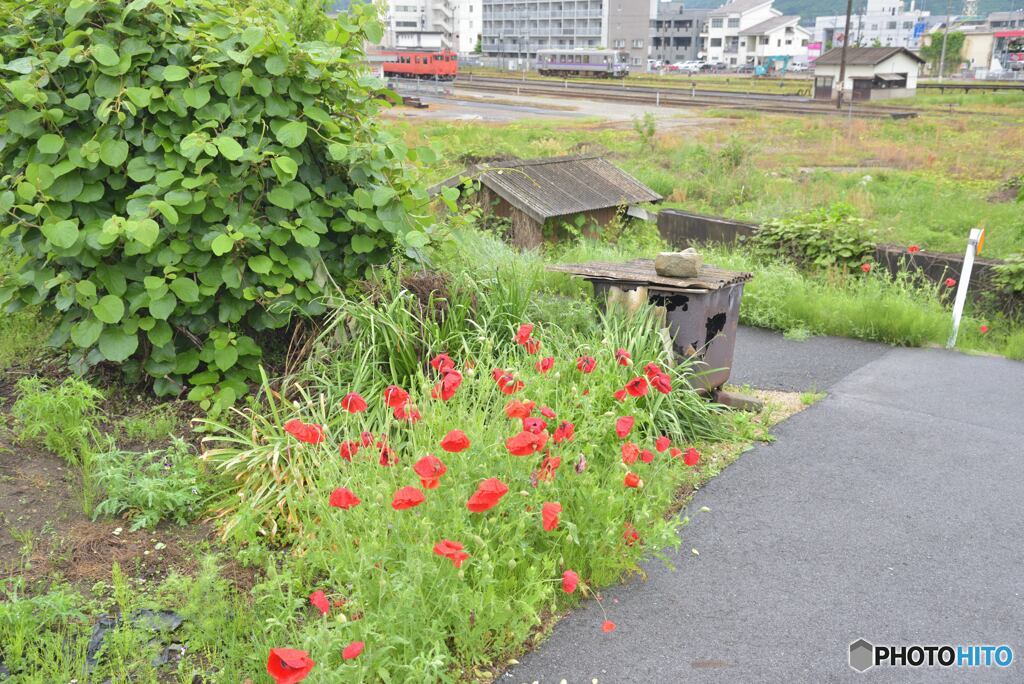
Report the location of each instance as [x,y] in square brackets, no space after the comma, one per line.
[881,23]
[468,25]
[516,29]
[420,24]
[748,31]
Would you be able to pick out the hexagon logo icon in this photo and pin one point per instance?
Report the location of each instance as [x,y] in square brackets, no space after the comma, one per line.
[861,655]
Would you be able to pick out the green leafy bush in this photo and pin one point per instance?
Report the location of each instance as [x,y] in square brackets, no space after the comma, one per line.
[61,417]
[817,239]
[1009,276]
[180,175]
[150,487]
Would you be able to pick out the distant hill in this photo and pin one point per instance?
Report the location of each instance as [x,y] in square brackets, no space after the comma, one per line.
[808,9]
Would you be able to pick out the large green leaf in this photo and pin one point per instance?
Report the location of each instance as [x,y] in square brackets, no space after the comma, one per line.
[292,134]
[61,234]
[228,147]
[86,332]
[117,345]
[106,55]
[113,152]
[174,73]
[50,144]
[110,309]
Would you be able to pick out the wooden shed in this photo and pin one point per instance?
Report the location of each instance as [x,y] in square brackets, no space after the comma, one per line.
[530,193]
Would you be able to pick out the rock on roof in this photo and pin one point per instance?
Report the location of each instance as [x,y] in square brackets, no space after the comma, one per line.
[769,25]
[872,56]
[557,186]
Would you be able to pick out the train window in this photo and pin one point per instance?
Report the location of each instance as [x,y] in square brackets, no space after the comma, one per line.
[586,59]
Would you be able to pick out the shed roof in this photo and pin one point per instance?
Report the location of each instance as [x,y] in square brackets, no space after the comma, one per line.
[558,186]
[769,25]
[871,56]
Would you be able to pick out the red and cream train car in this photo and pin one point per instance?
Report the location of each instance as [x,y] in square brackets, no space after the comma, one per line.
[440,65]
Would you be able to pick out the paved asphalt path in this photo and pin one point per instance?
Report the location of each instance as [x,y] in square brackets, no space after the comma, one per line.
[892,510]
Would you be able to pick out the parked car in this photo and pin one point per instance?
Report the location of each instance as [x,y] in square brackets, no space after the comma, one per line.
[691,67]
[795,66]
[745,69]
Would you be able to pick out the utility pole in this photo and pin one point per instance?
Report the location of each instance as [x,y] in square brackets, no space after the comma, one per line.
[945,38]
[842,55]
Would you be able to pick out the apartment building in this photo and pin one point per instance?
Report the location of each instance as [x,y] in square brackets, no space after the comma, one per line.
[427,24]
[676,33]
[881,23]
[516,29]
[468,25]
[747,31]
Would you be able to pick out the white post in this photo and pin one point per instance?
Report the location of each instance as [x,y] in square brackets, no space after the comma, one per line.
[963,284]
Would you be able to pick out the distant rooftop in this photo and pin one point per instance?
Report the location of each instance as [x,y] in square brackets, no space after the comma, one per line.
[737,7]
[769,25]
[872,56]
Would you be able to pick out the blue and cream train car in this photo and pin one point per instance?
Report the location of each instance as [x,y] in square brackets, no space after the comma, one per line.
[583,62]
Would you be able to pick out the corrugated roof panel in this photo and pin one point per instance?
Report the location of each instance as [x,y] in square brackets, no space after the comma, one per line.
[562,186]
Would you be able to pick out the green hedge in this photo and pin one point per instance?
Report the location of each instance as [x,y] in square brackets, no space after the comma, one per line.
[179,175]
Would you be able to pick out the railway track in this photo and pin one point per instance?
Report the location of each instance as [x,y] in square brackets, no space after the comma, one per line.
[673,97]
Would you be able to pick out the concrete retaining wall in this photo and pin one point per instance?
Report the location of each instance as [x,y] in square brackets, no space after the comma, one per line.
[683,229]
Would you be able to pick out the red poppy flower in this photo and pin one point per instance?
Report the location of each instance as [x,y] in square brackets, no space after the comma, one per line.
[630,535]
[651,370]
[511,387]
[519,409]
[442,362]
[675,453]
[983,329]
[637,387]
[450,381]
[662,443]
[646,456]
[623,425]
[621,395]
[532,346]
[547,468]
[569,581]
[388,457]
[288,665]
[691,457]
[622,357]
[546,364]
[309,433]
[455,441]
[353,402]
[395,397]
[366,438]
[526,443]
[629,453]
[662,383]
[607,626]
[353,650]
[451,550]
[564,432]
[549,513]
[430,469]
[407,497]
[913,249]
[348,450]
[632,480]
[408,413]
[547,413]
[497,373]
[320,602]
[487,495]
[866,268]
[343,498]
[586,364]
[534,425]
[949,282]
[524,333]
